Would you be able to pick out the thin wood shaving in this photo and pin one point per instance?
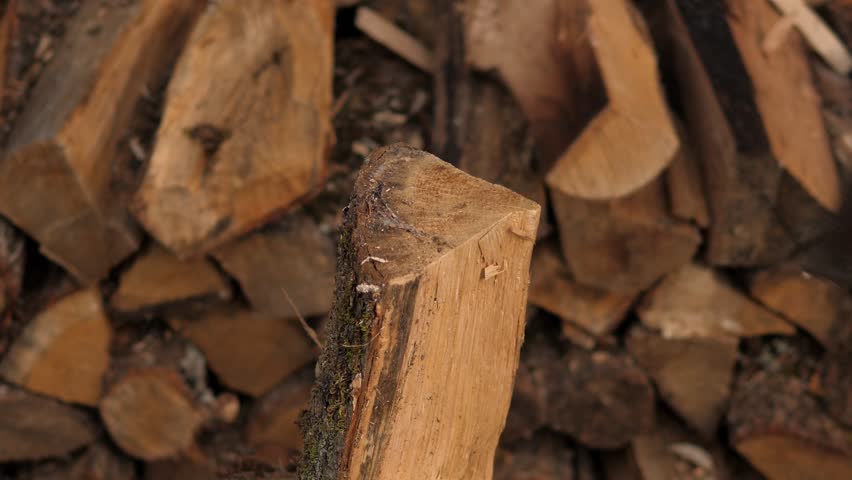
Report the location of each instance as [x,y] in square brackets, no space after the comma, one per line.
[394,38]
[373,259]
[821,38]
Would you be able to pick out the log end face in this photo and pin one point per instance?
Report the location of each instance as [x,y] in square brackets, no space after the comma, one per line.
[151,414]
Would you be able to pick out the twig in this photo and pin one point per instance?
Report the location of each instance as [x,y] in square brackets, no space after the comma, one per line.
[310,331]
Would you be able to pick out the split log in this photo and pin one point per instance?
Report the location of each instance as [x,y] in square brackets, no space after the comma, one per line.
[271,429]
[67,139]
[812,303]
[552,288]
[225,163]
[34,427]
[693,375]
[390,400]
[820,38]
[601,399]
[64,351]
[616,245]
[98,462]
[159,279]
[779,427]
[546,457]
[685,185]
[290,258]
[695,302]
[584,73]
[493,138]
[751,114]
[156,399]
[249,351]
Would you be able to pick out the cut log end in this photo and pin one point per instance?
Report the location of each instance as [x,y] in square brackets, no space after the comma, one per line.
[456,254]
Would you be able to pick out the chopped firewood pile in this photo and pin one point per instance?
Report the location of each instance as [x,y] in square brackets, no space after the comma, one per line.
[226,253]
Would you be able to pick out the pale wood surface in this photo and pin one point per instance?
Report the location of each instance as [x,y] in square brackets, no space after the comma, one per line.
[694,302]
[246,127]
[159,279]
[552,288]
[64,351]
[67,140]
[34,427]
[431,384]
[557,57]
[394,38]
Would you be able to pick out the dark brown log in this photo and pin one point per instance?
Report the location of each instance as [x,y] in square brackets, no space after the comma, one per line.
[98,462]
[225,163]
[249,351]
[64,351]
[546,457]
[779,426]
[34,427]
[744,108]
[390,401]
[289,258]
[271,427]
[616,245]
[156,399]
[12,261]
[159,279]
[602,399]
[56,177]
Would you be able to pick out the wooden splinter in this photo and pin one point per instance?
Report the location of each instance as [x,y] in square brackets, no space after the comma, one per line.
[416,378]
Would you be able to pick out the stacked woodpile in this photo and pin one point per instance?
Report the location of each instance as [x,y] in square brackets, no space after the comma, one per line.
[172,184]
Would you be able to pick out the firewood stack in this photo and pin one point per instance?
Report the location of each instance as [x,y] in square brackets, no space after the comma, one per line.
[171,186]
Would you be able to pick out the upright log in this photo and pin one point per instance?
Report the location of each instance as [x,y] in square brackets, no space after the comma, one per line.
[246,126]
[416,378]
[584,72]
[55,179]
